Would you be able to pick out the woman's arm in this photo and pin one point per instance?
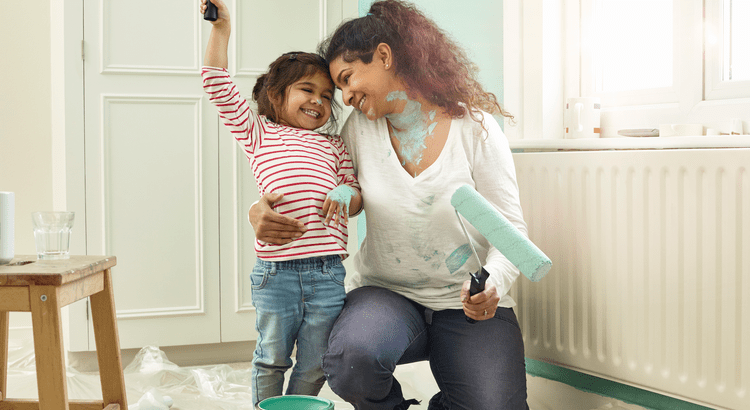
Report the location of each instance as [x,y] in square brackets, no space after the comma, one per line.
[494,176]
[271,226]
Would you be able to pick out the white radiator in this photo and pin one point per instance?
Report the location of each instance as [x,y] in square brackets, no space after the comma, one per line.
[650,284]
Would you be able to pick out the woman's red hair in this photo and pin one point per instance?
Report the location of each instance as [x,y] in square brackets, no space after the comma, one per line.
[428,61]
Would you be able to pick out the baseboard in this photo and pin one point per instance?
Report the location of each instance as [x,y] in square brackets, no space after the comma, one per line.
[24,333]
[190,355]
[608,388]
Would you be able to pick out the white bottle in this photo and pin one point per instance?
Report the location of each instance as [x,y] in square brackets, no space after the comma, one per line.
[7,212]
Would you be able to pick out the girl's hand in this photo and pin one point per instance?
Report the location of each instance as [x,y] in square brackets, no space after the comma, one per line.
[221,8]
[335,211]
[337,203]
[481,306]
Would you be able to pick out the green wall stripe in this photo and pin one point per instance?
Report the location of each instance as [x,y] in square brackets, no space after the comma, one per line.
[607,388]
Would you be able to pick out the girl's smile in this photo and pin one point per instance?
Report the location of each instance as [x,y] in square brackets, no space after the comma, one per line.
[308,102]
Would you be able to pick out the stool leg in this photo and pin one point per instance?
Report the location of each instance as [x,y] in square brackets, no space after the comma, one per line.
[48,348]
[4,326]
[108,344]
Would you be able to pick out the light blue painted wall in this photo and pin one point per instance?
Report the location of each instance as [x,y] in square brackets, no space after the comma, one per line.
[477,25]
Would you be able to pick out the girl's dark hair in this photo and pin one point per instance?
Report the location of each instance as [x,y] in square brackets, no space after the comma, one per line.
[429,62]
[284,72]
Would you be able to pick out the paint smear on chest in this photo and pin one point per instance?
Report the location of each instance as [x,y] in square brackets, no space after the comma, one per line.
[411,127]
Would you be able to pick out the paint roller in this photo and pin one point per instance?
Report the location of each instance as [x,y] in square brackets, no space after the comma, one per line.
[501,234]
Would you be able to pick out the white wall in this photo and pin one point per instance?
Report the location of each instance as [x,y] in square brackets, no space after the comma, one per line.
[25,130]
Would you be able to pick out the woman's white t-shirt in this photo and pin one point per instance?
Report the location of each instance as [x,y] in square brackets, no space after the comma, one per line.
[414,244]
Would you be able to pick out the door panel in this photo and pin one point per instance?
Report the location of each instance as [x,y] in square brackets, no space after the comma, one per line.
[265,30]
[139,228]
[152,170]
[148,36]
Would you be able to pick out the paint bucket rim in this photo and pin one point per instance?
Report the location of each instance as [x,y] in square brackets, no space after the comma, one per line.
[291,398]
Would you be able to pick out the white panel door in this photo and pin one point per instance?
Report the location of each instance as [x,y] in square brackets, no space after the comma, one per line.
[152,169]
[262,31]
[167,190]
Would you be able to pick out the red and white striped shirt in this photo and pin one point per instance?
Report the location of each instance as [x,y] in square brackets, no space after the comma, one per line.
[301,164]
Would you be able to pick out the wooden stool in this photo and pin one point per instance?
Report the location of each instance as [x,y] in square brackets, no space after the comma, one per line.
[42,288]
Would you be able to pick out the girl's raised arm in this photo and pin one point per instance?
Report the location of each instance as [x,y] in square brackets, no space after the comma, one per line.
[218,42]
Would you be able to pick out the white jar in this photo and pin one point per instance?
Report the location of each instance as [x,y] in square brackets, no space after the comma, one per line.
[7,221]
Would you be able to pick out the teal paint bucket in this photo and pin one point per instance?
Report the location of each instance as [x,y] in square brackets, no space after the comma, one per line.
[296,402]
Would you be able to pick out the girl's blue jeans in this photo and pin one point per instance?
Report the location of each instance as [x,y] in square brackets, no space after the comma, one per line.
[297,300]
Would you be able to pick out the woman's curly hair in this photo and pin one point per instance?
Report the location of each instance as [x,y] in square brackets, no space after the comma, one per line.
[425,57]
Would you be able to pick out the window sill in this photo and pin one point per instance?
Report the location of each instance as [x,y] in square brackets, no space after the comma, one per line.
[629,143]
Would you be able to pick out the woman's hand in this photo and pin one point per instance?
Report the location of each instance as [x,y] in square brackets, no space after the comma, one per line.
[481,306]
[271,226]
[222,11]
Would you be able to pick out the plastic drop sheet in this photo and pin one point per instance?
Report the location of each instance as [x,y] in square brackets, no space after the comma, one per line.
[151,378]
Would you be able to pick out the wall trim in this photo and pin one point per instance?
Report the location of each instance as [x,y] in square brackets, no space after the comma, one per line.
[608,388]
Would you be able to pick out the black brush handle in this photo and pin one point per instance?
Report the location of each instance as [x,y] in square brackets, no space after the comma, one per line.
[477,285]
[211,13]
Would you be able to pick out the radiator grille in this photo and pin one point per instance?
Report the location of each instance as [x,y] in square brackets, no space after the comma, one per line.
[650,284]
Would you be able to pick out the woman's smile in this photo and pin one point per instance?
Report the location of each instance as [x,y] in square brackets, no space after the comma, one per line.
[365,86]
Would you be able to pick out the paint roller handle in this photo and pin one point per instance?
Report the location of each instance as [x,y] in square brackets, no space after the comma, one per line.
[477,285]
[211,13]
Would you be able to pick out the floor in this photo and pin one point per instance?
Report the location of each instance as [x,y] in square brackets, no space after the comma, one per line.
[151,375]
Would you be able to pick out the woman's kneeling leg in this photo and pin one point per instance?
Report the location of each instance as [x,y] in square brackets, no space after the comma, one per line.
[376,330]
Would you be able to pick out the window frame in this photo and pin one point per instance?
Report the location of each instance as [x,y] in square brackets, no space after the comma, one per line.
[716,88]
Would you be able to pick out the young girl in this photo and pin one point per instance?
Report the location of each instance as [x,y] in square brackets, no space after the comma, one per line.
[297,287]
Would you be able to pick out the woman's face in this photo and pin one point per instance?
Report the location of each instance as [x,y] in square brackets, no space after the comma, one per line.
[366,86]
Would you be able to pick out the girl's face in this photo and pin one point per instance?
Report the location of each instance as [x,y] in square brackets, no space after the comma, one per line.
[308,102]
[366,86]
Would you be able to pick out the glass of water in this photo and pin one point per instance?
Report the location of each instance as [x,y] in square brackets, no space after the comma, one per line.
[52,234]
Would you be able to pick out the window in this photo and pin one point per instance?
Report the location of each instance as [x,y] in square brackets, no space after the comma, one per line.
[727,49]
[736,40]
[659,61]
[632,45]
[651,62]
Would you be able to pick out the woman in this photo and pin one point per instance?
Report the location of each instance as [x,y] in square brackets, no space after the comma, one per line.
[421,128]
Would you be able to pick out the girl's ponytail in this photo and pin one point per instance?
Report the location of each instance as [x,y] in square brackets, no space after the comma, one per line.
[257,90]
[260,95]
